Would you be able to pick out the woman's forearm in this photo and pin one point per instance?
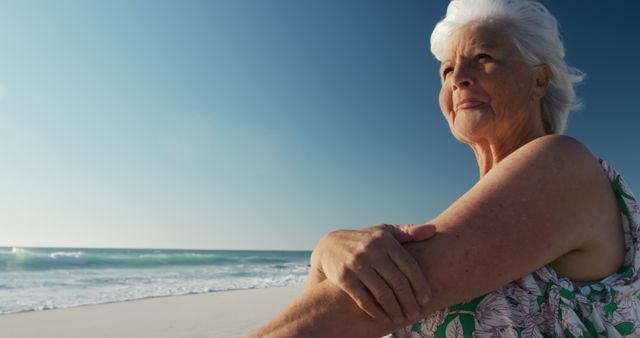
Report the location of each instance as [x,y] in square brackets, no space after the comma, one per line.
[323,310]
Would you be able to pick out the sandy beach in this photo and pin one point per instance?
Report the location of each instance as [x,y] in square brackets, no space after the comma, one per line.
[217,314]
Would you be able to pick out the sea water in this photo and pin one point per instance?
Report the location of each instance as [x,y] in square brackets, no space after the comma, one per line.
[33,279]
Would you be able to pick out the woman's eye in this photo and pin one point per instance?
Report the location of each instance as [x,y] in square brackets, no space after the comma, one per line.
[446,71]
[483,56]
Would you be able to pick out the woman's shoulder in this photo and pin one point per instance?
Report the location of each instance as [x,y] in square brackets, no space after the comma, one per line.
[559,158]
[564,188]
[568,164]
[573,167]
[560,148]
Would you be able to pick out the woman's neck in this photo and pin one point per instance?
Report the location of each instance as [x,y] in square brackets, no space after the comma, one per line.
[490,152]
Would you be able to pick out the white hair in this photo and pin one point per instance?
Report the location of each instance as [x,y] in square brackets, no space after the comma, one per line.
[535,32]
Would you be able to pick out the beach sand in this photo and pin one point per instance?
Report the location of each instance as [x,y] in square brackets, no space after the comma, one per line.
[217,314]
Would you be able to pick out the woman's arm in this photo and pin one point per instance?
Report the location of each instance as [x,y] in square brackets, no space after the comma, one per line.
[542,202]
[323,311]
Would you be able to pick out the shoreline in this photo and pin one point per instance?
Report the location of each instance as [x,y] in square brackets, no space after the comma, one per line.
[138,299]
[233,313]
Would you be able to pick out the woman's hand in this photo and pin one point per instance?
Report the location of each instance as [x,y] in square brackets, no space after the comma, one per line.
[375,270]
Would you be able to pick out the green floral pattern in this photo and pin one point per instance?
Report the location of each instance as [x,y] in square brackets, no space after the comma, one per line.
[542,304]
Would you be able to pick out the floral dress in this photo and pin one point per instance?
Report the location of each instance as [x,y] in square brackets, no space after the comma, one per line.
[543,304]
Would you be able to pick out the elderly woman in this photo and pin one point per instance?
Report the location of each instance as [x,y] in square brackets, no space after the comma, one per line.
[544,244]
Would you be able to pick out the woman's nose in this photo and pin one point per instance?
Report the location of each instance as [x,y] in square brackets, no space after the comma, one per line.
[462,77]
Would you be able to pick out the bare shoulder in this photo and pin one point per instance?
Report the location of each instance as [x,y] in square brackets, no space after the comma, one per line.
[555,156]
[559,176]
[554,174]
[557,167]
[596,215]
[578,176]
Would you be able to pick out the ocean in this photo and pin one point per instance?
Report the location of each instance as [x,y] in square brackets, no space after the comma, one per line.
[34,279]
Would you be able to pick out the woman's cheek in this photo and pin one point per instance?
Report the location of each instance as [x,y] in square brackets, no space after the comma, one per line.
[446,102]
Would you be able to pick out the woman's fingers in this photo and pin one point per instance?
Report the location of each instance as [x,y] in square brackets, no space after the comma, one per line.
[400,285]
[363,298]
[410,232]
[421,232]
[410,268]
[382,293]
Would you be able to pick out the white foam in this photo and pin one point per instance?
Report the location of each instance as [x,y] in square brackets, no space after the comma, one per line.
[74,258]
[43,290]
[17,251]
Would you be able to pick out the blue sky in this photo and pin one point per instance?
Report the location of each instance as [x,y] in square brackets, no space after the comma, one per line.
[255,124]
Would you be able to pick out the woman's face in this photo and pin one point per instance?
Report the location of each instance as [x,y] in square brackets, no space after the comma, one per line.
[488,92]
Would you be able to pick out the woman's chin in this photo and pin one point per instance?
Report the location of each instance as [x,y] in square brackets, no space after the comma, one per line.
[470,132]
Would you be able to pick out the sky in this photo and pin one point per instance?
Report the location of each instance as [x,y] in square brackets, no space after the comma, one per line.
[252,124]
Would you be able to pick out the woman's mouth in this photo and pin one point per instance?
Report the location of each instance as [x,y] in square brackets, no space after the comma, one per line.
[468,104]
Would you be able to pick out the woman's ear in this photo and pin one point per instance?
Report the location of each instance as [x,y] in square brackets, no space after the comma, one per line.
[541,77]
